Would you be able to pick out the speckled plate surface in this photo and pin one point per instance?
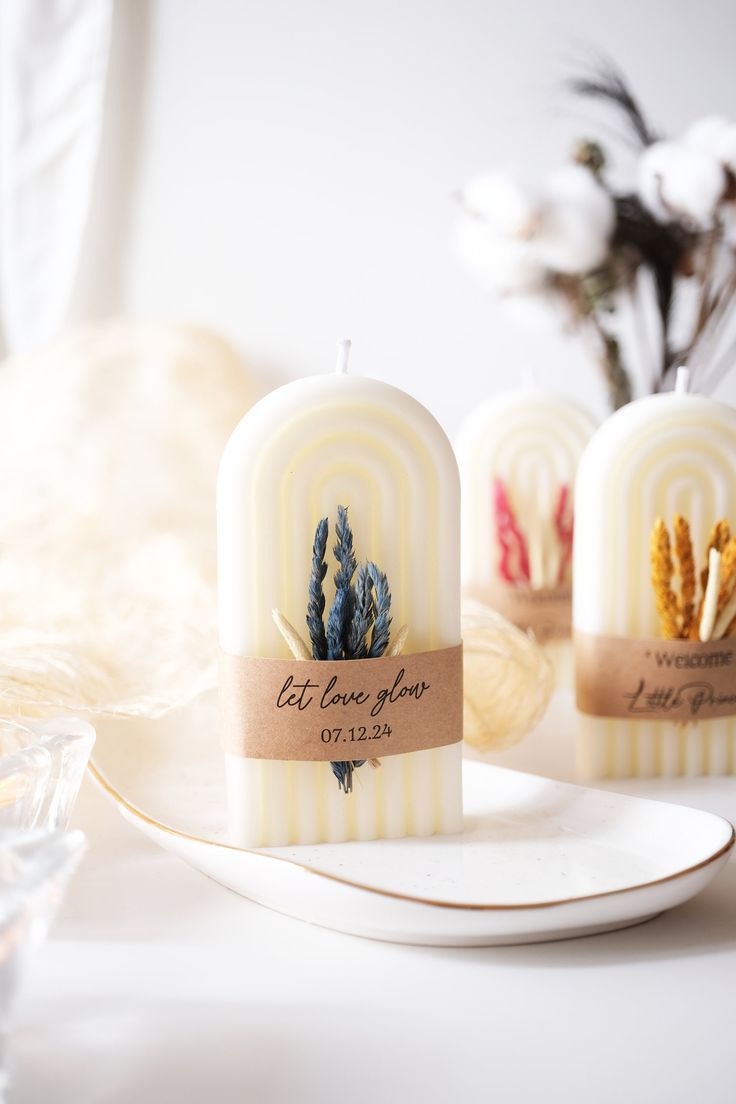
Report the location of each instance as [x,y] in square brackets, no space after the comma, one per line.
[538,860]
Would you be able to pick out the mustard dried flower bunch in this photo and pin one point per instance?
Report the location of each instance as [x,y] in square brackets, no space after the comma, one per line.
[691,605]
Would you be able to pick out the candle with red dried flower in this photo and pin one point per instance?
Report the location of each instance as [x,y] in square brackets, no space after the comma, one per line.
[518,455]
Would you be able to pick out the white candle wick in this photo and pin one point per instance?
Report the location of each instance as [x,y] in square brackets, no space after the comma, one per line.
[343,354]
[682,380]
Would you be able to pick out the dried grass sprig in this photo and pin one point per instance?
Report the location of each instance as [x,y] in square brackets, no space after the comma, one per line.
[343,550]
[298,648]
[728,574]
[726,621]
[399,641]
[686,571]
[719,537]
[662,573]
[382,626]
[316,602]
[338,624]
[356,607]
[715,616]
[363,615]
[345,556]
[340,617]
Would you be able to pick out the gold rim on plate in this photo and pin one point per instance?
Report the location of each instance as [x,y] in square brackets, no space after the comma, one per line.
[123,802]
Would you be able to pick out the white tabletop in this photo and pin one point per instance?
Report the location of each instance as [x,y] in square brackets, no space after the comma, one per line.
[159,986]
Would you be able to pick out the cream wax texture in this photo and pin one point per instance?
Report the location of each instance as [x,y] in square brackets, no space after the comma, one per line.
[298,454]
[664,455]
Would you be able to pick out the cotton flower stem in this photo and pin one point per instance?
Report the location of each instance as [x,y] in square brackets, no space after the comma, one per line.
[708,342]
[615,375]
[705,304]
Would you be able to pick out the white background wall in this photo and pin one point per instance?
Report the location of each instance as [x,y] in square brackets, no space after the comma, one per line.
[282,171]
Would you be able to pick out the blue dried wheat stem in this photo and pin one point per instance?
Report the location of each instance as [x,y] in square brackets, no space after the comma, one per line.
[363,615]
[382,626]
[316,603]
[354,610]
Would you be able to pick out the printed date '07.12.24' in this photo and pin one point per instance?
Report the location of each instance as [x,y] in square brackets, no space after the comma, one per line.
[355,734]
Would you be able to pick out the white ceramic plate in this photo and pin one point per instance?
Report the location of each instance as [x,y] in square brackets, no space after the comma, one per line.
[538,860]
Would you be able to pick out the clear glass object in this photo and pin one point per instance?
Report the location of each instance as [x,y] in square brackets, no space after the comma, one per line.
[34,870]
[42,763]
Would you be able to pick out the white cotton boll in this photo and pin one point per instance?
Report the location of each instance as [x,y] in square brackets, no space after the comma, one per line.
[501,264]
[577,221]
[503,202]
[681,182]
[715,134]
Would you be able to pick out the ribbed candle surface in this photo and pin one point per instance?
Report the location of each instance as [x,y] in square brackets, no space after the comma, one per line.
[298,454]
[666,454]
[528,442]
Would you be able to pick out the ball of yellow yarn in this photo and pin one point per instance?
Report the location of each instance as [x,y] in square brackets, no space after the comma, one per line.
[508,680]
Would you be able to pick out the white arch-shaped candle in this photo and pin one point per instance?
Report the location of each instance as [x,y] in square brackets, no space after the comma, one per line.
[299,453]
[532,441]
[665,454]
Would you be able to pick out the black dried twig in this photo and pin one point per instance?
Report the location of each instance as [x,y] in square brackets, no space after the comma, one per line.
[662,246]
[607,84]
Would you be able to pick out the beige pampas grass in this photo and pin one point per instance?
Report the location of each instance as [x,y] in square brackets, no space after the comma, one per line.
[109,446]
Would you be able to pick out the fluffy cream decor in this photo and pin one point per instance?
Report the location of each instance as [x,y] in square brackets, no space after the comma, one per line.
[109,445]
[508,680]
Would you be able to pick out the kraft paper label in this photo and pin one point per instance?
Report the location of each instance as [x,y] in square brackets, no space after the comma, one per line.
[350,709]
[655,680]
[547,611]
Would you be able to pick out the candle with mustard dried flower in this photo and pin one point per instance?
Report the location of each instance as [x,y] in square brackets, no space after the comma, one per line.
[518,455]
[321,474]
[654,604]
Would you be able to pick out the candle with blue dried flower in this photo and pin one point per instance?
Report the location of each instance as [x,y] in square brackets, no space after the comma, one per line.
[365,460]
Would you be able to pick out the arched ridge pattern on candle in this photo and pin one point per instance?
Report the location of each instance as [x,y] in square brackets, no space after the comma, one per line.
[413,454]
[663,489]
[432,547]
[682,462]
[649,491]
[403,480]
[620,491]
